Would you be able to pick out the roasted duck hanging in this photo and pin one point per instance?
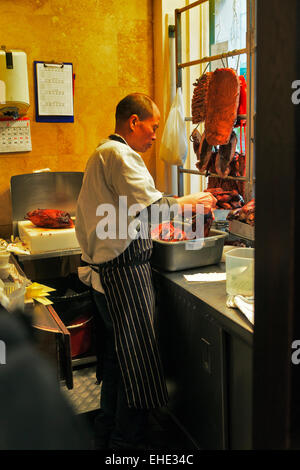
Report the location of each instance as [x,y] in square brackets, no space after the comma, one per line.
[202,150]
[225,155]
[205,153]
[196,139]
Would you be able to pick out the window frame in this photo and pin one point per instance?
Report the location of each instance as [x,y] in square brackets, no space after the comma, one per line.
[250,51]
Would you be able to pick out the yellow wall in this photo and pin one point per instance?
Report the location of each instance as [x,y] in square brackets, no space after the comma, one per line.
[110,44]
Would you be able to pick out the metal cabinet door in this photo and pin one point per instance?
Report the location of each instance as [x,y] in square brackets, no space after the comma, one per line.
[192,353]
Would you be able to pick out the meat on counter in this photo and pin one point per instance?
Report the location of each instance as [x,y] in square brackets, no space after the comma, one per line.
[244,214]
[50,218]
[228,200]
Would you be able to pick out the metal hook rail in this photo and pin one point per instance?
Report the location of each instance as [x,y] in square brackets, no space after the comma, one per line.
[249,50]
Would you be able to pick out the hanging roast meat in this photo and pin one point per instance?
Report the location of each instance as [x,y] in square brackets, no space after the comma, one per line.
[50,218]
[225,155]
[196,139]
[204,154]
[222,105]
[199,99]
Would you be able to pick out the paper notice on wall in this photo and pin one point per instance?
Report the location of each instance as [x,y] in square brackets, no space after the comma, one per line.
[55,89]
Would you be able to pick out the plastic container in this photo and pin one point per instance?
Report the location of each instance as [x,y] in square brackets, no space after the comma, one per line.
[240,272]
[4,271]
[4,257]
[15,295]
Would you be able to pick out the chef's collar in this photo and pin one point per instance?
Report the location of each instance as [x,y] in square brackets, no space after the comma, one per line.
[118,138]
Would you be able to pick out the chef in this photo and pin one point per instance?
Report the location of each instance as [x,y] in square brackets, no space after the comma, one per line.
[114,235]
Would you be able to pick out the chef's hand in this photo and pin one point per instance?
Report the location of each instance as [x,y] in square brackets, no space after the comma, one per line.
[205,198]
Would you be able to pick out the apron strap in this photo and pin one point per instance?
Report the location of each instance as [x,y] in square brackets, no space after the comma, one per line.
[93,266]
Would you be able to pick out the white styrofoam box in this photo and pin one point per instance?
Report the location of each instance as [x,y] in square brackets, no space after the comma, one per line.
[40,239]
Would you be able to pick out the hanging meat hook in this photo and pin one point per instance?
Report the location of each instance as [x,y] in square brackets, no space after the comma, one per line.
[238,63]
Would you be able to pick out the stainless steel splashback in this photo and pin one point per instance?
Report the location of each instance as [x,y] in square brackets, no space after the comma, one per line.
[46,190]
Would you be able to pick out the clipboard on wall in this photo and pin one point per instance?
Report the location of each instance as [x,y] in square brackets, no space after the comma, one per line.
[54,91]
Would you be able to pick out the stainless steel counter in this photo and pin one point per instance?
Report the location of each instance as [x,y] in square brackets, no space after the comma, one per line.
[213,295]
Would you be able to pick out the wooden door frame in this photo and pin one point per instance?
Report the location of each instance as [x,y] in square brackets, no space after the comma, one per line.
[275,377]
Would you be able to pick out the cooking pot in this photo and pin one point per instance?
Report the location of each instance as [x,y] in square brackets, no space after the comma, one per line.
[73,303]
[71,298]
[81,335]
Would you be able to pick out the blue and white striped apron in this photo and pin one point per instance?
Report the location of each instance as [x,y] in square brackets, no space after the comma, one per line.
[128,286]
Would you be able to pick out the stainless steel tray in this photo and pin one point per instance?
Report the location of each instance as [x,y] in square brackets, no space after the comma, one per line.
[177,256]
[241,229]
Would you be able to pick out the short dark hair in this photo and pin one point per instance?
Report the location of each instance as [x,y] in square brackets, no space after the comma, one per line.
[135,103]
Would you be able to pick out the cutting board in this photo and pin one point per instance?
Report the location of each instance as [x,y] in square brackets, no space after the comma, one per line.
[40,240]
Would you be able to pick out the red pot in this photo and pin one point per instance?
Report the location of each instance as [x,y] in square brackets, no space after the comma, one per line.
[81,335]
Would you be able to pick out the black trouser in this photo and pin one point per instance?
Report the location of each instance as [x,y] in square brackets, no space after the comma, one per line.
[117,425]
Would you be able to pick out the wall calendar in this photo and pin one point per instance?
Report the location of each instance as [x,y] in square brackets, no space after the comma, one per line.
[15,135]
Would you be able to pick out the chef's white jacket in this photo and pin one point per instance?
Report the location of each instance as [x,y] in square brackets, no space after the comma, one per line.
[113,170]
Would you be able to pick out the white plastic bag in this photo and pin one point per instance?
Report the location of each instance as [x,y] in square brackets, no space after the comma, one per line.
[174,146]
